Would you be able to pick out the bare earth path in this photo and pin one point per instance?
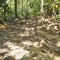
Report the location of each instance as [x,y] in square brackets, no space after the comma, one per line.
[31,40]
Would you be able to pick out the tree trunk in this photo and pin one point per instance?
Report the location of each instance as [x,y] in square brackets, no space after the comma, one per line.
[4,10]
[26,10]
[22,5]
[15,3]
[42,3]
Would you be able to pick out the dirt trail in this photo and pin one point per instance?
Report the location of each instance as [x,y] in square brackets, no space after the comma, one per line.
[42,35]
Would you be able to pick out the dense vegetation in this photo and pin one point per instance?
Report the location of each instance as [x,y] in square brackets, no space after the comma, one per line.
[28,8]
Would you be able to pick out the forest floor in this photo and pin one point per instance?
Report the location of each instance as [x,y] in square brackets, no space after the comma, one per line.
[30,40]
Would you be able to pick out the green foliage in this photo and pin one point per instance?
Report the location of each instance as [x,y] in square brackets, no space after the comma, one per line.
[58,17]
[51,7]
[29,8]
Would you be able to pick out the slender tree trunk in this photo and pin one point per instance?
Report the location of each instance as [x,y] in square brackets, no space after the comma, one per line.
[10,7]
[22,5]
[4,8]
[59,9]
[15,3]
[26,9]
[53,11]
[42,3]
[22,9]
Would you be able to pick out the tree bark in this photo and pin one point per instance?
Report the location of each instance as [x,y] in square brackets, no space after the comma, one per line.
[4,10]
[15,3]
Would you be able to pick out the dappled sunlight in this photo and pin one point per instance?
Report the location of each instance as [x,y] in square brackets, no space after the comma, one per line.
[18,54]
[57,58]
[29,29]
[58,44]
[31,41]
[2,26]
[15,51]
